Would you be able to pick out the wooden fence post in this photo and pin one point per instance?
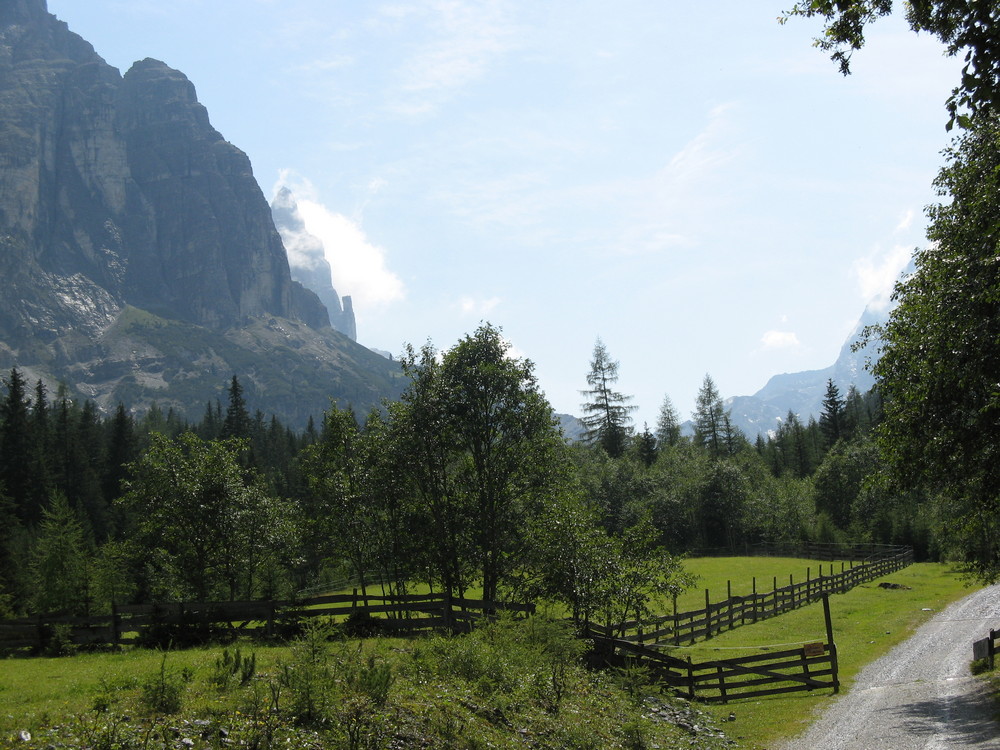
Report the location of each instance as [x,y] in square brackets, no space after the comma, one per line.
[115,625]
[677,634]
[729,596]
[830,641]
[690,679]
[708,617]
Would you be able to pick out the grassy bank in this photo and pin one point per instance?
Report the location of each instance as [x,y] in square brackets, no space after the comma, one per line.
[867,622]
[509,684]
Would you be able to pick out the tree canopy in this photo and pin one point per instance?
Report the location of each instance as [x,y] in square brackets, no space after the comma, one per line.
[971,27]
[940,355]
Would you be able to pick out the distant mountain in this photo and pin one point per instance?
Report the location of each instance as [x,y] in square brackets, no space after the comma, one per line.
[308,263]
[139,257]
[802,392]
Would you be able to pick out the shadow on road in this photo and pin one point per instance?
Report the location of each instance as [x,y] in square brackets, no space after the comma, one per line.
[969,719]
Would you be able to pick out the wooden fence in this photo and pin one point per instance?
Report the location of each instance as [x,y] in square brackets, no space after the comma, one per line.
[986,648]
[138,623]
[733,611]
[812,666]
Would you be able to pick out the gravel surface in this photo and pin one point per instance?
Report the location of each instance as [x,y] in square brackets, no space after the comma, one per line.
[921,694]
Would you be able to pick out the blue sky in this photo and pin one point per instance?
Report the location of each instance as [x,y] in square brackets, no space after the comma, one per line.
[693,183]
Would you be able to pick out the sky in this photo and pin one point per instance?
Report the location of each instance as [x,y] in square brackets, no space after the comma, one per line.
[693,183]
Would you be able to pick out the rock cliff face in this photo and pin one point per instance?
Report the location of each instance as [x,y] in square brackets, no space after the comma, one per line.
[117,194]
[308,263]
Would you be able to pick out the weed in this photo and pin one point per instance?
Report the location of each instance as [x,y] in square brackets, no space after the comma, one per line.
[979,666]
[235,666]
[163,693]
[307,676]
[633,679]
[372,680]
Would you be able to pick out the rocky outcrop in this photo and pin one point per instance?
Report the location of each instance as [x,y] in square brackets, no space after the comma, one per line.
[308,263]
[117,194]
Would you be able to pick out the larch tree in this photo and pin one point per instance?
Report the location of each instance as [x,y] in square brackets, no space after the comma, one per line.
[606,419]
[668,424]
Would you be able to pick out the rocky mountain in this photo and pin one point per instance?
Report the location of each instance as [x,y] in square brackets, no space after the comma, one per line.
[308,263]
[802,392]
[139,256]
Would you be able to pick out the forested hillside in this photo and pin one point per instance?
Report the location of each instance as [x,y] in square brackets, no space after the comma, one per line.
[465,483]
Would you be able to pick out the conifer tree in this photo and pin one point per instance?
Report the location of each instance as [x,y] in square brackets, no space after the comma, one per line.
[237,421]
[606,411]
[668,424]
[17,450]
[711,420]
[59,560]
[831,419]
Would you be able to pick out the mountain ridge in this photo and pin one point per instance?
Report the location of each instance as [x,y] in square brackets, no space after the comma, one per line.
[120,202]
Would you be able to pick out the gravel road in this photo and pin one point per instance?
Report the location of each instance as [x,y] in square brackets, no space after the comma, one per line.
[921,694]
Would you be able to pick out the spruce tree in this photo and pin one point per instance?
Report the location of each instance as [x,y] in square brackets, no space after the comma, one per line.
[17,450]
[831,419]
[237,422]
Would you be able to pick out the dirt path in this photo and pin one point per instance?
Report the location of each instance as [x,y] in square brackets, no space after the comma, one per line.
[919,696]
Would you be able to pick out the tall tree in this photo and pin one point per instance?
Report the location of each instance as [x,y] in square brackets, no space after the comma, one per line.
[506,431]
[18,450]
[59,561]
[207,525]
[237,421]
[606,411]
[938,371]
[668,424]
[710,419]
[832,416]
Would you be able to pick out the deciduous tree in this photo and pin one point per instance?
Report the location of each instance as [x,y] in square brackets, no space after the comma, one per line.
[939,368]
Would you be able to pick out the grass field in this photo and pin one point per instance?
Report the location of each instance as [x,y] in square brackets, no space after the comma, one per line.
[867,622]
[720,574]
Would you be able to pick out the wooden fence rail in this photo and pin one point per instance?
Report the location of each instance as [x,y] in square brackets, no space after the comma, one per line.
[700,624]
[812,666]
[128,624]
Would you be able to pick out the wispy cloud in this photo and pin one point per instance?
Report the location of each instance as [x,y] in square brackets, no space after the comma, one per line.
[877,272]
[667,204]
[779,340]
[905,221]
[471,306]
[465,38]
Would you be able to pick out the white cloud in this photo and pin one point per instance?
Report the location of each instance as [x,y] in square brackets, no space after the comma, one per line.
[779,340]
[905,221]
[466,38]
[359,266]
[470,306]
[877,274]
[672,205]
